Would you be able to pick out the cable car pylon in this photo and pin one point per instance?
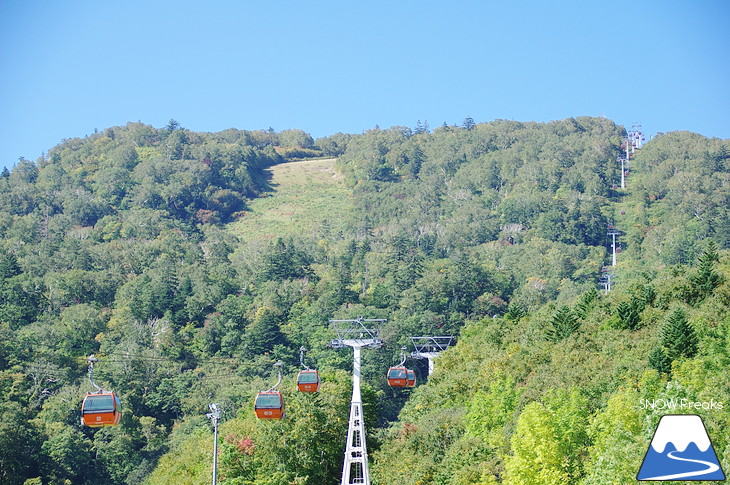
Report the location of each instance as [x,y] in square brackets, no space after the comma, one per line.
[354,333]
[430,347]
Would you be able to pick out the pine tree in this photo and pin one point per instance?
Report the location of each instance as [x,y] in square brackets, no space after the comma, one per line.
[629,314]
[586,302]
[279,263]
[263,333]
[515,312]
[678,337]
[707,279]
[563,324]
[9,266]
[658,360]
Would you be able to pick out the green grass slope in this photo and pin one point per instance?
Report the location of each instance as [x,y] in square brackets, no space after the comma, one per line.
[306,196]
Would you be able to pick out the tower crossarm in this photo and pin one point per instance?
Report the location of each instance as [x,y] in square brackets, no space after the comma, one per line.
[430,345]
[357,332]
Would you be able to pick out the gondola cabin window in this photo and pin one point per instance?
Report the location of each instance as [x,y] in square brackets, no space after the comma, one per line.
[269,405]
[308,381]
[411,381]
[103,409]
[99,404]
[398,376]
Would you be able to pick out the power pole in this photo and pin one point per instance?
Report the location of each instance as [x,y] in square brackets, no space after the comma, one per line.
[354,333]
[429,348]
[214,415]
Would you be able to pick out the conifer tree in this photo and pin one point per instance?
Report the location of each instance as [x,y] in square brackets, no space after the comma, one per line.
[678,336]
[515,312]
[586,301]
[658,360]
[704,282]
[629,314]
[563,324]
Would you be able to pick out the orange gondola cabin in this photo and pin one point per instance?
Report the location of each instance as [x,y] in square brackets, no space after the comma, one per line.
[308,380]
[101,409]
[398,376]
[269,405]
[411,379]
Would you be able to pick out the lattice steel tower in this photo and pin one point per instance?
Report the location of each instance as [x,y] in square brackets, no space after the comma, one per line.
[430,347]
[354,333]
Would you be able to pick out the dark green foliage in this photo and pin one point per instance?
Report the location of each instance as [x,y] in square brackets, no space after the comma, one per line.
[284,261]
[678,337]
[19,443]
[116,244]
[629,314]
[263,334]
[563,324]
[658,360]
[584,305]
[706,279]
[515,312]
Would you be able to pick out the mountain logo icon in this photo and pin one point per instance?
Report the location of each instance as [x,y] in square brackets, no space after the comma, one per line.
[680,450]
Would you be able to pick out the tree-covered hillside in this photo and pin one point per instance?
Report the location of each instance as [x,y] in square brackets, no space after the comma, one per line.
[138,245]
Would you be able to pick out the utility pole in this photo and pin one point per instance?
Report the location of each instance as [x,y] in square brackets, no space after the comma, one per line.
[354,333]
[429,348]
[214,415]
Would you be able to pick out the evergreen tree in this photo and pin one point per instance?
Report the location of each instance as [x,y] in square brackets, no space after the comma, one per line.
[704,282]
[629,314]
[279,263]
[586,302]
[8,266]
[658,360]
[515,312]
[678,337]
[263,333]
[563,324]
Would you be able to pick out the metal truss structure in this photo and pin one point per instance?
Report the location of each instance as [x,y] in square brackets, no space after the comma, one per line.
[358,334]
[430,347]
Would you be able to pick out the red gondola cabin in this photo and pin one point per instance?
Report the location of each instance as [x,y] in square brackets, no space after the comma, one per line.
[398,376]
[411,380]
[101,409]
[269,405]
[308,380]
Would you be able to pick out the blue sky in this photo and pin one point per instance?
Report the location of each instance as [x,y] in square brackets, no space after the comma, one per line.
[68,68]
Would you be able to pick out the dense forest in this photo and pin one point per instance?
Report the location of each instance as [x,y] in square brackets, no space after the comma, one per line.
[134,244]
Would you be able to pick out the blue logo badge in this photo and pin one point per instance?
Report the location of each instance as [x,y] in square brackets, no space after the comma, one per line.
[680,450]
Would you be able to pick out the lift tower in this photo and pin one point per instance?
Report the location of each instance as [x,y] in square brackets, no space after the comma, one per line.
[613,232]
[429,348]
[624,162]
[355,334]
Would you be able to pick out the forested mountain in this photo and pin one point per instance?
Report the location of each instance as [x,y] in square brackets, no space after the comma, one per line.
[134,244]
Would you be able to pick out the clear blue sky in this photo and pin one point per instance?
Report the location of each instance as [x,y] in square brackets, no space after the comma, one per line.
[69,67]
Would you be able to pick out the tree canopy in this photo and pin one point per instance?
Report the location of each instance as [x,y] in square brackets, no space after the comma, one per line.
[132,244]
